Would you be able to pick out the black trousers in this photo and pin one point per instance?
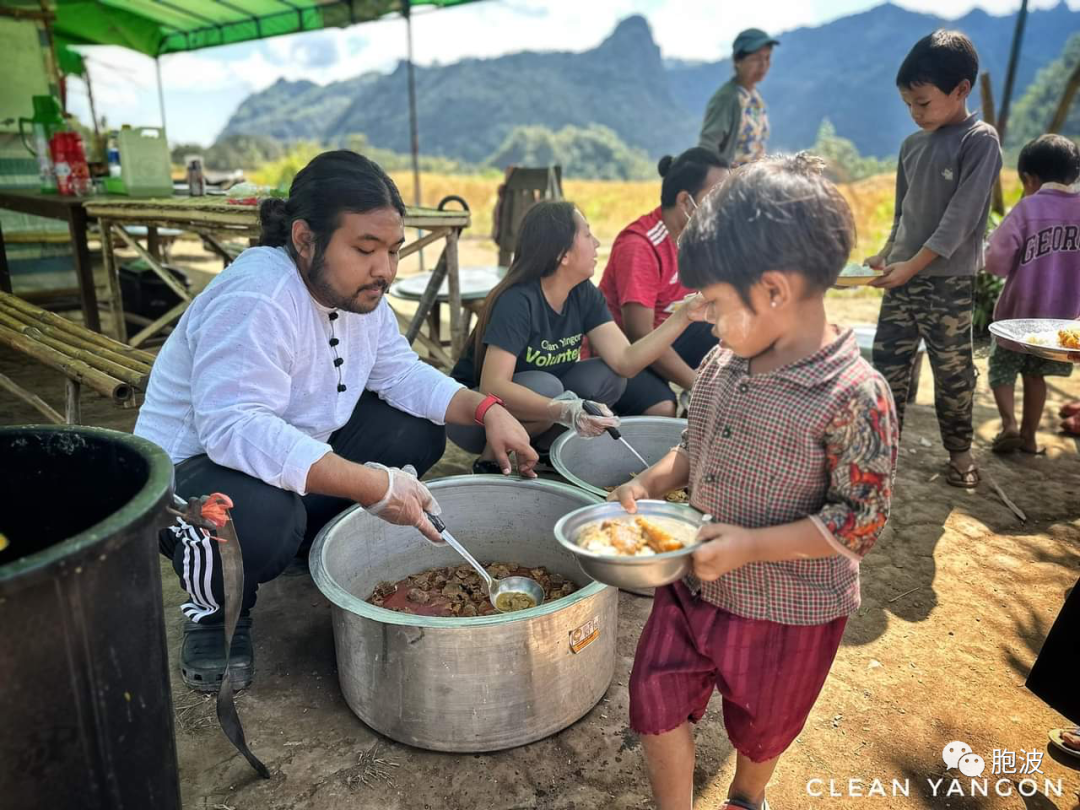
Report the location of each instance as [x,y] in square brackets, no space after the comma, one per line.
[1053,676]
[272,523]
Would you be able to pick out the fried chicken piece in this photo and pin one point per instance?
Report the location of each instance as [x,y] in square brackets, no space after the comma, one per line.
[1069,338]
[623,538]
[658,540]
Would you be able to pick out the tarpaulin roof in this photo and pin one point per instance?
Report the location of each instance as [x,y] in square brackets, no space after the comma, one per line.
[157,27]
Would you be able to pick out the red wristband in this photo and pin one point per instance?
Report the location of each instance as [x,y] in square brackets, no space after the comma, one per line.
[484,407]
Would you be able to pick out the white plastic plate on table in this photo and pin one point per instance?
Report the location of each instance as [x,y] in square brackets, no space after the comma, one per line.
[1037,336]
[476,282]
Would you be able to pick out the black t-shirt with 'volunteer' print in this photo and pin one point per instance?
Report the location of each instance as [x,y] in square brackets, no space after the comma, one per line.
[524,324]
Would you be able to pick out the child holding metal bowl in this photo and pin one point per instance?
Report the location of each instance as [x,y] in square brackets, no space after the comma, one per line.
[791,446]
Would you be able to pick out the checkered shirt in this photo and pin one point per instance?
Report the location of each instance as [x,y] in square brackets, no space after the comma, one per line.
[818,439]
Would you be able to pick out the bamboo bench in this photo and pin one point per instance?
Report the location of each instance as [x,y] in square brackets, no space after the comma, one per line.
[112,369]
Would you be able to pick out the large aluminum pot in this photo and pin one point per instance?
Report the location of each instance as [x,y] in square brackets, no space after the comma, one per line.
[467,684]
[593,464]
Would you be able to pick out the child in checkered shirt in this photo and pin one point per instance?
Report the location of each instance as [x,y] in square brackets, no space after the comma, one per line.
[791,447]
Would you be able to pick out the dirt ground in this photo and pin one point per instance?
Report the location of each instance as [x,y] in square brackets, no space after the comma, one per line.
[958,596]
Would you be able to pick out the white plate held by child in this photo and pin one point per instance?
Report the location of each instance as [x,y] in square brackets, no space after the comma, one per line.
[857,275]
[1039,336]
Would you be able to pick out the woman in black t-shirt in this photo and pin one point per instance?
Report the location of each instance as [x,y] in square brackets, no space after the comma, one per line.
[526,347]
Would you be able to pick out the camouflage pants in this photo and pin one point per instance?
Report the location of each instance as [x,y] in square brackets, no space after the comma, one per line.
[937,311]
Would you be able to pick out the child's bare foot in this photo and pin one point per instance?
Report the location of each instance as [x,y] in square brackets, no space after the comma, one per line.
[1030,445]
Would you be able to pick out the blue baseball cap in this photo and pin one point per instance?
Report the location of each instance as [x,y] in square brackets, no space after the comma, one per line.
[750,40]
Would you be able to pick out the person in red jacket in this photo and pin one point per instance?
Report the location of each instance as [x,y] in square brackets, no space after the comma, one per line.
[641,281]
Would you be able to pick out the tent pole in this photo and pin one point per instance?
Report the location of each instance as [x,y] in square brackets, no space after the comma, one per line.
[160,92]
[414,133]
[90,96]
[1014,54]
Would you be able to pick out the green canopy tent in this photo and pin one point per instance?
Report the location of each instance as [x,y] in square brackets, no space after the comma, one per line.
[160,27]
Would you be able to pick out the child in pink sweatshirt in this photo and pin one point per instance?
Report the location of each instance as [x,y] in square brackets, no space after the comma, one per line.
[1037,249]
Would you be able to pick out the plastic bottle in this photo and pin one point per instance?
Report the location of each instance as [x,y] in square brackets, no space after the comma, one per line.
[113,155]
[195,178]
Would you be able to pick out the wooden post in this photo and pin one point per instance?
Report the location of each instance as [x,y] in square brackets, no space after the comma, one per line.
[73,408]
[161,272]
[453,278]
[155,327]
[997,200]
[153,242]
[1062,112]
[76,217]
[112,281]
[414,126]
[31,399]
[1014,55]
[427,300]
[93,110]
[5,272]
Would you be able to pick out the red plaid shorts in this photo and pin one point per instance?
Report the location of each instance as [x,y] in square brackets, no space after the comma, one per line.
[769,674]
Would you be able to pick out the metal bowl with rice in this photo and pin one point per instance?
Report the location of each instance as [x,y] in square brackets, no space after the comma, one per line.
[634,573]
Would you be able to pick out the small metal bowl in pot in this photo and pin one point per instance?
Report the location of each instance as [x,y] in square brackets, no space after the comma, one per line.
[649,571]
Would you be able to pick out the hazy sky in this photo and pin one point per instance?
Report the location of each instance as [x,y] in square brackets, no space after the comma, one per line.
[203,88]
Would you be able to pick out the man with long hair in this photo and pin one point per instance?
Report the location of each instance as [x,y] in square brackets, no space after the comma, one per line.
[288,386]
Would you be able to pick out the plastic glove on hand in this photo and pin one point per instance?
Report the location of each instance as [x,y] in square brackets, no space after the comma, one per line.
[406,501]
[568,410]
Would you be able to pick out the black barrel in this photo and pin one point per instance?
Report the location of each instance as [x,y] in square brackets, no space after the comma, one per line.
[86,718]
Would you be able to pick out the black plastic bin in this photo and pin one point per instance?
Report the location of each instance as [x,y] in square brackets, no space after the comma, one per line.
[86,717]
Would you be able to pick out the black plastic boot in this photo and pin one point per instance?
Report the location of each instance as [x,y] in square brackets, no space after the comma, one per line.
[202,655]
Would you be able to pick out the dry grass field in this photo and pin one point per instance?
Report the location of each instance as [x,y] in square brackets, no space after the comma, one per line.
[610,206]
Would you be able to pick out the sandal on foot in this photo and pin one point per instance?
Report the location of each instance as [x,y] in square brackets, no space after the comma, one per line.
[202,655]
[1061,742]
[485,467]
[1069,409]
[1038,451]
[741,804]
[964,479]
[1007,442]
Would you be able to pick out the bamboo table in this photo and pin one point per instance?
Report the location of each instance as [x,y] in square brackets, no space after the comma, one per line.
[215,218]
[71,211]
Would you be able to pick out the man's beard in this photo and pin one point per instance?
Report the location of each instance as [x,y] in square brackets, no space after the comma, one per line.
[330,297]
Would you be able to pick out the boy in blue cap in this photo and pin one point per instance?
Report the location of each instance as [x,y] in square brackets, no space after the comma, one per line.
[736,125]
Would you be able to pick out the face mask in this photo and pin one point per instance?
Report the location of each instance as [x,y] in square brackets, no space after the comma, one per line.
[689,215]
[693,208]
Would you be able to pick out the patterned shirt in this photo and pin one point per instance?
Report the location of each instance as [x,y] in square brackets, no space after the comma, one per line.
[754,129]
[818,439]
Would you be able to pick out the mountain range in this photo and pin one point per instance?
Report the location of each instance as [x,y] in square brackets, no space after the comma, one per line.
[844,71]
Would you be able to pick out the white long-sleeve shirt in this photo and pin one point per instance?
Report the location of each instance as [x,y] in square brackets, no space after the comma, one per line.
[248,376]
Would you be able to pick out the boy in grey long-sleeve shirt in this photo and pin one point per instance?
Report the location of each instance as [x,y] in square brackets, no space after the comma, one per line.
[943,183]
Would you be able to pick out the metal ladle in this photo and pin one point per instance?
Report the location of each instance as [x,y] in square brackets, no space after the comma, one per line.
[529,588]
